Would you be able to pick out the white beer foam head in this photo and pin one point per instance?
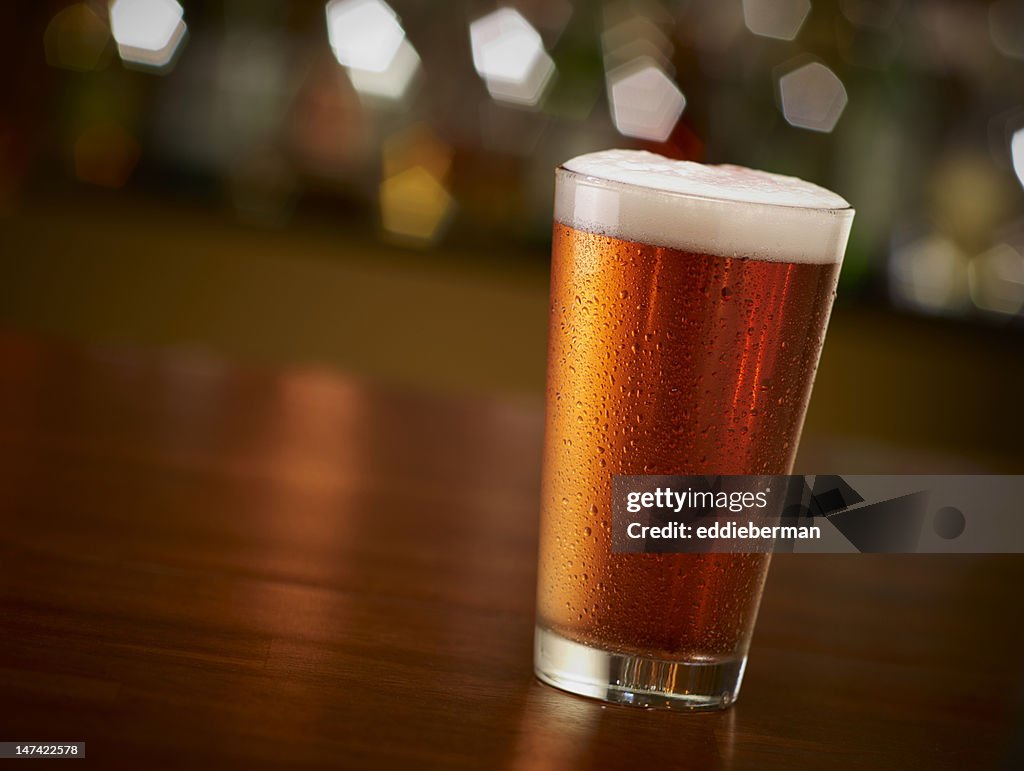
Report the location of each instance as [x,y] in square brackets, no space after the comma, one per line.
[725,210]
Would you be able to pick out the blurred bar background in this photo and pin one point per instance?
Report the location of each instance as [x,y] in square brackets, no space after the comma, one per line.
[368,185]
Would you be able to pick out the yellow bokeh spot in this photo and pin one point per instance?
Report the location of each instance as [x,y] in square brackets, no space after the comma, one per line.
[414,205]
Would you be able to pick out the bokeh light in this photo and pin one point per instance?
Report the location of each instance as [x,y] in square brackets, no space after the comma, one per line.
[368,41]
[996,280]
[969,196]
[364,34]
[393,83]
[780,19]
[77,39]
[645,102]
[415,206]
[812,97]
[509,54]
[1017,154]
[273,109]
[1006,26]
[929,274]
[148,32]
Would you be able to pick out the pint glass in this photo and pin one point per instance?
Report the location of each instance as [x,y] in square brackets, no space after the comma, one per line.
[688,309]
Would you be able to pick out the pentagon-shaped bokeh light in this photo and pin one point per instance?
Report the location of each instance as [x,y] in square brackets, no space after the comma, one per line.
[781,19]
[392,83]
[812,97]
[1017,154]
[364,34]
[645,102]
[509,55]
[148,32]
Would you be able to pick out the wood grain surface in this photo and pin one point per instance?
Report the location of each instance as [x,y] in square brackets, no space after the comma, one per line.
[204,566]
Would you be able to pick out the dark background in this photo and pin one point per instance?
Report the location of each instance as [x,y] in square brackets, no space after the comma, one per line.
[238,192]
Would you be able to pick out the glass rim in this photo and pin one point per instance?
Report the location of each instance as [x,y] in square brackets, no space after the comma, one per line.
[560,169]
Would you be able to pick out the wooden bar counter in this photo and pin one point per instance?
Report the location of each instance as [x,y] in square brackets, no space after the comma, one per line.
[207,566]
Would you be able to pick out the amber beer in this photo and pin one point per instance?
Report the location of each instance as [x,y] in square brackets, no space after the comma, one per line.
[688,308]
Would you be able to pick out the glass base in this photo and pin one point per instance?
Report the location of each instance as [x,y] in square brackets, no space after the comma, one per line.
[638,681]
